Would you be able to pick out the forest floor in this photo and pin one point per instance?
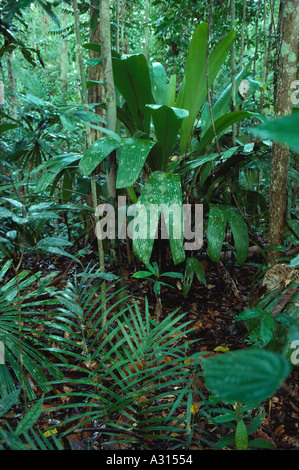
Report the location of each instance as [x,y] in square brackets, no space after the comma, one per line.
[212,309]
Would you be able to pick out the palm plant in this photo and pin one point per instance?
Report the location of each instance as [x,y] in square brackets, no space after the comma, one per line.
[23,350]
[130,377]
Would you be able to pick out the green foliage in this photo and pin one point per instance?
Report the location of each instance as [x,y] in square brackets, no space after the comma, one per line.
[193,266]
[218,218]
[135,374]
[194,87]
[153,275]
[245,375]
[27,345]
[283,130]
[161,192]
[24,437]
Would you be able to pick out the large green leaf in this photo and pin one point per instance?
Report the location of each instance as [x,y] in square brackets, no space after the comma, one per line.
[133,154]
[132,79]
[159,82]
[283,130]
[194,88]
[162,192]
[245,375]
[167,122]
[97,152]
[218,218]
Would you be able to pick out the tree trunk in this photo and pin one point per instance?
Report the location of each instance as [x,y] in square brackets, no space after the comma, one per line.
[146,32]
[280,153]
[11,84]
[233,73]
[64,58]
[111,119]
[79,54]
[96,92]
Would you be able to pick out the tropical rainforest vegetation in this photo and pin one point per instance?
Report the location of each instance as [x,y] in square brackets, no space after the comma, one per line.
[118,329]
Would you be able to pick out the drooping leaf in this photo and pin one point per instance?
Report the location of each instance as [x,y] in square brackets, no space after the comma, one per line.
[97,152]
[167,122]
[223,123]
[218,218]
[161,193]
[223,104]
[240,233]
[132,79]
[216,230]
[53,167]
[245,375]
[133,154]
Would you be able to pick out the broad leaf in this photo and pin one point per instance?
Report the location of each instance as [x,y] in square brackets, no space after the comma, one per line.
[245,375]
[132,79]
[97,152]
[159,82]
[218,218]
[133,154]
[167,122]
[283,130]
[161,193]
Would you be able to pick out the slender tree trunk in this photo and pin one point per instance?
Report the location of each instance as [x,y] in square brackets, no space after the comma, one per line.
[79,53]
[111,119]
[146,32]
[117,19]
[96,92]
[11,83]
[265,59]
[64,58]
[233,72]
[280,153]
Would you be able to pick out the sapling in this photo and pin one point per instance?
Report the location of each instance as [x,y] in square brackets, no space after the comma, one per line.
[152,274]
